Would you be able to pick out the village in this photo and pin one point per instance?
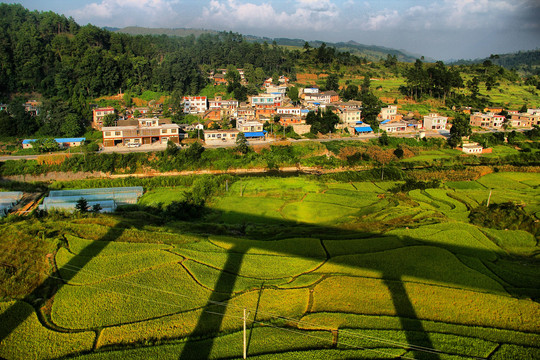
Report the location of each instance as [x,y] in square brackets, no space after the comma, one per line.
[220,120]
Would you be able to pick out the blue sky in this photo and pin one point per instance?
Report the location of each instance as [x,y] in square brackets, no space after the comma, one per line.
[443,29]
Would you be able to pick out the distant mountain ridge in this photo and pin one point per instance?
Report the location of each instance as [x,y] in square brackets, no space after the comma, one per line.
[181,32]
[370,52]
[526,62]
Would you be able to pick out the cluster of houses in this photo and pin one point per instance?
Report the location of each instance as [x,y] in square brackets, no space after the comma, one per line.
[145,126]
[251,116]
[491,118]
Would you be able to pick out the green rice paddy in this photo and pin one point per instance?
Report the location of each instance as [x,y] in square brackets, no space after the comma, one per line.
[325,270]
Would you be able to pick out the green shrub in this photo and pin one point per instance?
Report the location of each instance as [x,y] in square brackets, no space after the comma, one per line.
[504,216]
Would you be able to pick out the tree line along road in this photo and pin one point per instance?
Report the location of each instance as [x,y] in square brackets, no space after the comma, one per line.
[442,133]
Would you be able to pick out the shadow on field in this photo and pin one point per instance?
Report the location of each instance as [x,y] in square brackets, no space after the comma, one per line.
[13,317]
[265,230]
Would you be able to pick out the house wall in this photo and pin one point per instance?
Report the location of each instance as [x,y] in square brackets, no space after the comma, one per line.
[216,136]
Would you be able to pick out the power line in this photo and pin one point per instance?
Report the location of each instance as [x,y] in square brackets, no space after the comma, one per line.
[235,316]
[274,315]
[226,304]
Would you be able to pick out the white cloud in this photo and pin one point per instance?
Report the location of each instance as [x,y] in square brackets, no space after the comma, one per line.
[382,20]
[127,12]
[307,15]
[443,15]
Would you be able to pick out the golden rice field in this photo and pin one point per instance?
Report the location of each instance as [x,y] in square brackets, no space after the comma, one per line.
[323,269]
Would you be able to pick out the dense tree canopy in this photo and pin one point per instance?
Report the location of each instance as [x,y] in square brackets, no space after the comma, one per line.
[436,80]
[322,121]
[52,55]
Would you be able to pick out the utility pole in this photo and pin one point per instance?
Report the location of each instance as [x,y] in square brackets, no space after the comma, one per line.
[245,342]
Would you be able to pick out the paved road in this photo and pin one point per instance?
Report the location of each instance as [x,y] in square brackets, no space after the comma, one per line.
[160,147]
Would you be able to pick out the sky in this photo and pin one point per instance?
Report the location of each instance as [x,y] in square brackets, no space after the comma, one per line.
[442,30]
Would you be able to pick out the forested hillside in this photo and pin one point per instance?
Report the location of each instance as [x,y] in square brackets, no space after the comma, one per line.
[525,62]
[50,54]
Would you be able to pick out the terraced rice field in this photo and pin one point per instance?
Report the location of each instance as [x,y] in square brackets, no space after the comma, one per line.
[325,270]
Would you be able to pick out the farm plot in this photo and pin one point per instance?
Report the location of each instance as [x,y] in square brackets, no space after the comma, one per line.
[80,269]
[323,320]
[161,291]
[268,303]
[436,303]
[409,263]
[264,340]
[313,212]
[320,266]
[241,209]
[503,181]
[463,239]
[257,266]
[31,340]
[441,201]
[163,196]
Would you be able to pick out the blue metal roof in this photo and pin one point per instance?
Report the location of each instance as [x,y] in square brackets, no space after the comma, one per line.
[363,129]
[411,124]
[63,140]
[58,140]
[304,111]
[385,121]
[359,123]
[255,134]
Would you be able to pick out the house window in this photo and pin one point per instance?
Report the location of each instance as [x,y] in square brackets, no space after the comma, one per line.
[173,131]
[163,131]
[107,133]
[117,133]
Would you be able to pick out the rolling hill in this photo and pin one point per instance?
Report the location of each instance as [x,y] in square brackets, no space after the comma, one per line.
[370,52]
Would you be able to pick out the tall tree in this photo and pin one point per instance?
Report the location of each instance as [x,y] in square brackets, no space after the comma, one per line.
[332,82]
[461,127]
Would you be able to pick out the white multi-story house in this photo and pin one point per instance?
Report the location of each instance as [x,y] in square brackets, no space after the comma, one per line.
[289,110]
[434,121]
[220,136]
[388,113]
[326,97]
[195,104]
[472,148]
[350,116]
[267,100]
[393,126]
[253,130]
[311,90]
[280,89]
